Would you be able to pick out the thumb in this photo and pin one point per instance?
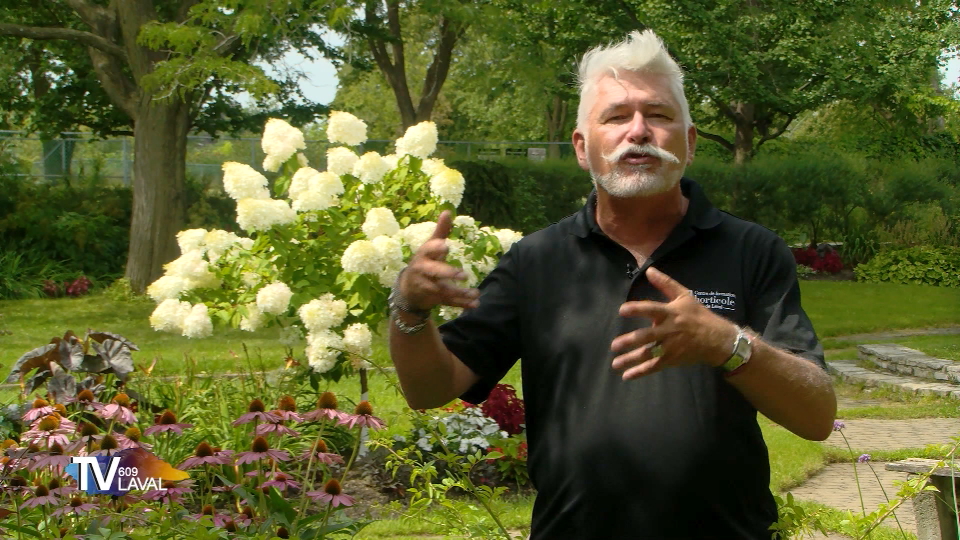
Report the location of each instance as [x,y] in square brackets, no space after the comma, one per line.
[666,284]
[444,225]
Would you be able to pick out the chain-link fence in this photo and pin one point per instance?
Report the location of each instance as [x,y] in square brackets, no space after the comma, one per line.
[78,155]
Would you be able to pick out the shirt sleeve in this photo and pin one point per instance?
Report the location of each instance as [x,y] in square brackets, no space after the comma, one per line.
[487,338]
[774,311]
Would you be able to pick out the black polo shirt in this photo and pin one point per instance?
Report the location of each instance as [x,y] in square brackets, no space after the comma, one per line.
[676,454]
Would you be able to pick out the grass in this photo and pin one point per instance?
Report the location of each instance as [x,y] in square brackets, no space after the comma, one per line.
[513,511]
[842,307]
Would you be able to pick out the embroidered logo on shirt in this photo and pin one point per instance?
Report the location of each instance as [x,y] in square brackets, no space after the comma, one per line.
[722,301]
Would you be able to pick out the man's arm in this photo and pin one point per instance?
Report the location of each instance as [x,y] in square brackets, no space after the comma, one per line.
[430,375]
[787,388]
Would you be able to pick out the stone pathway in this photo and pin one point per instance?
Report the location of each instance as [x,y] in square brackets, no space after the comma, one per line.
[866,434]
[895,334]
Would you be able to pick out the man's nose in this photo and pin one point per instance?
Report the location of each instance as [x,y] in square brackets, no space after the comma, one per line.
[639,132]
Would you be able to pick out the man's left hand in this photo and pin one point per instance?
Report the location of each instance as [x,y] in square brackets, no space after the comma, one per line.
[683,332]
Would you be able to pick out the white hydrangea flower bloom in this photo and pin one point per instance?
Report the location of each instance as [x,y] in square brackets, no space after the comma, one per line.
[323,349]
[371,168]
[207,280]
[246,243]
[242,181]
[291,336]
[468,227]
[301,181]
[302,159]
[198,324]
[507,238]
[250,279]
[166,288]
[253,320]
[341,160]
[416,234]
[358,339]
[343,127]
[448,184]
[419,140]
[323,313]
[380,221]
[485,265]
[219,242]
[190,265]
[388,275]
[191,240]
[361,257]
[392,160]
[260,215]
[274,298]
[390,251]
[322,192]
[169,315]
[433,166]
[272,163]
[280,141]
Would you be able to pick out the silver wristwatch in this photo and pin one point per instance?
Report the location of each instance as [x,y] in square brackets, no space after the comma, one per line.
[742,350]
[397,303]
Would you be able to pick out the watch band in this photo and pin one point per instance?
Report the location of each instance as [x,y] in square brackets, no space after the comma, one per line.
[742,350]
[397,303]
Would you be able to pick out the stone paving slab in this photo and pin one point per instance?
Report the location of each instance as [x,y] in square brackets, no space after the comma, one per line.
[851,372]
[907,361]
[895,334]
[866,434]
[835,486]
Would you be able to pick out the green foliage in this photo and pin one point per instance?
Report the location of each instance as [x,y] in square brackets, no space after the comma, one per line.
[22,275]
[522,194]
[917,265]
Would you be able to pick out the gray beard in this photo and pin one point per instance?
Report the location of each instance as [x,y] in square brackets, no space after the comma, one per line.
[635,182]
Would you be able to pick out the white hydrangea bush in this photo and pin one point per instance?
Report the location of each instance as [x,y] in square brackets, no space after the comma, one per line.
[317,251]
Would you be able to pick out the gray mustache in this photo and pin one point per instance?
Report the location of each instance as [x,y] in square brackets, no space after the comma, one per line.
[648,149]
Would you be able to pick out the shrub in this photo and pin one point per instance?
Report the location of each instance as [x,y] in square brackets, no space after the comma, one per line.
[918,265]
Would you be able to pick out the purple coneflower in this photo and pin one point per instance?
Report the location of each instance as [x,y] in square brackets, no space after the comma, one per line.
[131,439]
[107,447]
[60,490]
[89,434]
[41,495]
[260,449]
[362,416]
[332,493]
[256,411]
[287,410]
[205,455]
[326,408]
[172,492]
[321,454]
[208,510]
[282,482]
[16,484]
[55,458]
[119,410]
[246,516]
[86,400]
[49,429]
[41,407]
[74,506]
[167,422]
[278,428]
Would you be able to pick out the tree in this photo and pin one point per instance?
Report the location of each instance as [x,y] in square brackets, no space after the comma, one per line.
[170,67]
[757,65]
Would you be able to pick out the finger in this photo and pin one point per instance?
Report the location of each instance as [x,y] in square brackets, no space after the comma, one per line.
[657,311]
[651,366]
[640,337]
[435,248]
[634,357]
[444,225]
[436,270]
[666,284]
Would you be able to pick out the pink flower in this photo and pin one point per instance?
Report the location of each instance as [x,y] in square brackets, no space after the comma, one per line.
[54,458]
[326,408]
[363,416]
[320,454]
[282,482]
[205,455]
[41,495]
[74,506]
[172,492]
[263,429]
[41,408]
[332,493]
[167,422]
[119,413]
[256,411]
[50,430]
[260,449]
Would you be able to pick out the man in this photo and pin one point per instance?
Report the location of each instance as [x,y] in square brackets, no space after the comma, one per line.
[652,328]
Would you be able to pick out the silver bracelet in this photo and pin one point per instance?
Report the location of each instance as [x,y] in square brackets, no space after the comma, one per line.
[407,329]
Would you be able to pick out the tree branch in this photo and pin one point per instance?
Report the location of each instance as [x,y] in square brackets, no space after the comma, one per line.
[775,134]
[68,34]
[450,32]
[90,14]
[716,138]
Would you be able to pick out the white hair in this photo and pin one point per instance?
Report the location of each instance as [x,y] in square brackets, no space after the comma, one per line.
[639,53]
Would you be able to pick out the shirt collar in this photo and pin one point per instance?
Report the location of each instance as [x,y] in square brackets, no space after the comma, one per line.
[701,214]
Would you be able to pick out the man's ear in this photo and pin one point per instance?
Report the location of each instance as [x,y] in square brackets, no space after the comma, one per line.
[580,147]
[691,143]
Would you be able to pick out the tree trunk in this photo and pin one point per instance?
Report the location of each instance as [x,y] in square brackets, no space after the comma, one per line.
[556,117]
[159,185]
[743,140]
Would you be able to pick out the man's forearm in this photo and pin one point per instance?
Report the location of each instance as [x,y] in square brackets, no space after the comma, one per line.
[429,374]
[790,390]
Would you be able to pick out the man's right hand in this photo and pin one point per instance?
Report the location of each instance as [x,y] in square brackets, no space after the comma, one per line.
[428,281]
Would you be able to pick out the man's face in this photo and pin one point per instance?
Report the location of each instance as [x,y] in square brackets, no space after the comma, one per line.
[627,114]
